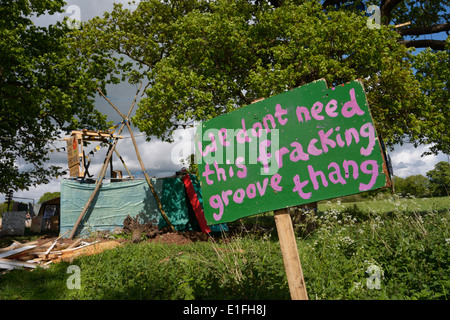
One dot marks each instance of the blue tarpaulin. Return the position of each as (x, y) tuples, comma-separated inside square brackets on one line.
[(116, 200)]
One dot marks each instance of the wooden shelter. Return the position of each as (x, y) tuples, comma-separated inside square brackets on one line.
[(77, 164), (76, 157)]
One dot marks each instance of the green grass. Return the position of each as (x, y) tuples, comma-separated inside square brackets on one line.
[(407, 240), (389, 203), (157, 271)]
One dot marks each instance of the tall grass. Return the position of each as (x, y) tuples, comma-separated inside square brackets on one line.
[(373, 252), (409, 247)]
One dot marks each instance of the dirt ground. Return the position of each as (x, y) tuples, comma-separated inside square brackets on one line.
[(180, 237), (164, 236)]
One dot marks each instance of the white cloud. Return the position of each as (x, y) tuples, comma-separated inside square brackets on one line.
[(407, 160)]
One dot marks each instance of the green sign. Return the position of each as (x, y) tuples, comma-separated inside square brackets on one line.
[(301, 146)]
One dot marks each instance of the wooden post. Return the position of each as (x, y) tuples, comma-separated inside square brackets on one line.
[(111, 169), (98, 184), (147, 178), (123, 162), (291, 258)]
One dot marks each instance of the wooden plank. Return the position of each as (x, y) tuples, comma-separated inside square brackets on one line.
[(54, 243), (95, 136), (91, 249), (6, 266), (65, 251), (16, 264), (16, 251), (50, 256), (74, 244), (72, 151), (72, 156), (402, 24), (50, 249), (291, 258), (12, 246), (17, 245), (86, 132), (74, 171)]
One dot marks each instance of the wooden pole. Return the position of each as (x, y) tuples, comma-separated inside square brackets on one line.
[(402, 24), (98, 183), (111, 169), (291, 258), (147, 178), (123, 162)]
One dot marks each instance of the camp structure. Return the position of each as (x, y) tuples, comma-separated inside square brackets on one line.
[(78, 161), (117, 200), (94, 204)]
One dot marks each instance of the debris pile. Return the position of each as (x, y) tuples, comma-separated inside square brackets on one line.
[(43, 252), (152, 233), (136, 229)]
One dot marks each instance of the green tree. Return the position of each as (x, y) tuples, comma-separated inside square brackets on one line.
[(433, 74), (46, 88), (399, 185), (205, 58), (4, 206), (425, 18), (417, 185), (440, 179), (48, 196)]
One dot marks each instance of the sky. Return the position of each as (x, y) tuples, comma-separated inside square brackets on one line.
[(162, 159)]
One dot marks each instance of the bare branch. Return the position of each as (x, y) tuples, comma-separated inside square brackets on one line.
[(417, 31), (433, 44)]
